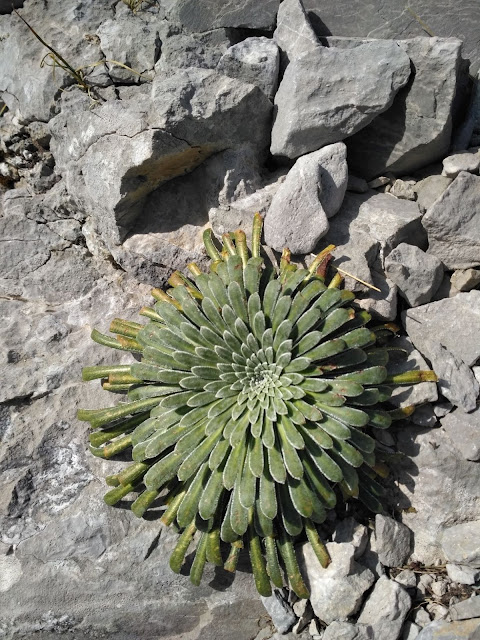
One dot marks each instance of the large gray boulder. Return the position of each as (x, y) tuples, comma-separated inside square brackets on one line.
[(386, 609), (327, 94), (451, 348), (124, 149), (417, 128), (453, 223), (210, 14), (312, 192), (392, 19)]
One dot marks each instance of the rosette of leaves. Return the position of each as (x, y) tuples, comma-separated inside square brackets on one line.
[(252, 410)]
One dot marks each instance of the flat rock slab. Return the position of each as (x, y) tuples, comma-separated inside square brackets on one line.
[(327, 94), (210, 14), (453, 223), (464, 431), (392, 19), (446, 333), (312, 192), (461, 543), (416, 130), (442, 630)]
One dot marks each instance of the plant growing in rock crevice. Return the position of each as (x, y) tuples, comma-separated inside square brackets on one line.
[(252, 409)]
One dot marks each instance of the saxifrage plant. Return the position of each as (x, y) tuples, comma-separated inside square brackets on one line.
[(252, 409)]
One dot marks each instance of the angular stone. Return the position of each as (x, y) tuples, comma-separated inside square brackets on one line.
[(383, 219), (465, 279), (466, 609), (440, 485), (133, 40), (464, 431), (382, 304), (239, 213), (450, 352), (453, 223), (407, 579), (430, 189), (336, 592), (461, 543), (463, 161), (294, 33), (348, 631), (280, 611), (403, 189), (34, 97), (196, 17), (416, 130), (462, 574), (312, 192), (410, 631), (351, 531), (394, 541), (442, 630), (415, 394), (416, 273), (328, 94), (124, 151), (255, 61), (386, 609), (181, 50)]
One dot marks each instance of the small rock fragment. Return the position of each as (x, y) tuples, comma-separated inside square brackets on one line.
[(430, 189), (393, 541), (348, 631), (465, 279), (403, 189), (462, 573), (462, 161), (407, 579), (416, 273), (280, 611)]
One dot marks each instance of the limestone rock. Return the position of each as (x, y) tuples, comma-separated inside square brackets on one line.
[(181, 50), (450, 352), (461, 543), (463, 161), (351, 531), (211, 14), (410, 631), (403, 189), (312, 192), (433, 467), (336, 592), (382, 304), (239, 213), (462, 574), (386, 609), (294, 33), (133, 40), (466, 609), (465, 279), (463, 429), (125, 149), (254, 61), (280, 611), (452, 223), (328, 94), (416, 273), (407, 579), (416, 394), (416, 130), (441, 630), (348, 631), (430, 189), (393, 541), (33, 94)]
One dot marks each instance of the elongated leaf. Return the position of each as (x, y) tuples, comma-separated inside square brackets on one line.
[(287, 552), (291, 519), (210, 497), (189, 505), (197, 456), (273, 565)]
